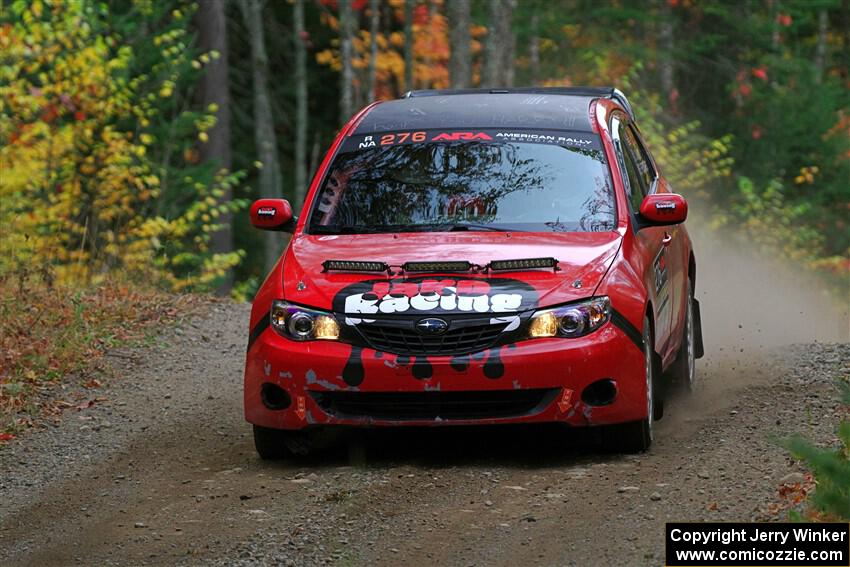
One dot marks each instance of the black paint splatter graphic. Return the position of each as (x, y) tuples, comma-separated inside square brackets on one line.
[(353, 372), (460, 363), (494, 367), (422, 369)]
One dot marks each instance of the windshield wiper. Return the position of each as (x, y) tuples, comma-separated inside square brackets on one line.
[(391, 228), (346, 229), (473, 227)]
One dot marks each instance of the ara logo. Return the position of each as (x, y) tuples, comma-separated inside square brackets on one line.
[(457, 136)]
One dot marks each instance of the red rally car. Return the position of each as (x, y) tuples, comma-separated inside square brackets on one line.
[(476, 257)]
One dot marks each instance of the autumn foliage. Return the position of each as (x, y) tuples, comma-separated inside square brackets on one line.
[(82, 187)]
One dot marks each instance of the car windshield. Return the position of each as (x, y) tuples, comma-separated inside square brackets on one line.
[(468, 185)]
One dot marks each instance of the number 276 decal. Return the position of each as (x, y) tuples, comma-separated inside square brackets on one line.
[(402, 137)]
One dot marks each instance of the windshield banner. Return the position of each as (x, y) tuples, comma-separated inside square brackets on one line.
[(578, 140)]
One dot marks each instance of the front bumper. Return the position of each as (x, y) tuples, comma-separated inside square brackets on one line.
[(559, 370)]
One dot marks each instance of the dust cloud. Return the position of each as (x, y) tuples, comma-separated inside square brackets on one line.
[(752, 307), (749, 301)]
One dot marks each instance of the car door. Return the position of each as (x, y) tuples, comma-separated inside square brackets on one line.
[(640, 178), (677, 261)]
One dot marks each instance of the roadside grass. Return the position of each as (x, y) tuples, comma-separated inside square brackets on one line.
[(824, 493), (51, 333)]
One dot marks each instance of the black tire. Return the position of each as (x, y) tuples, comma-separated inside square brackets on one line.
[(274, 444), (682, 373), (636, 436)]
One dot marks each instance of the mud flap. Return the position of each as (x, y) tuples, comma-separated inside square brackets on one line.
[(699, 350), (658, 387)]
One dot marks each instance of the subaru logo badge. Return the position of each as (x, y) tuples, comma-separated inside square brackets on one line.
[(432, 326)]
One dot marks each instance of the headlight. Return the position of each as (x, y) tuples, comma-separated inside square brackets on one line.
[(574, 320), (303, 324)]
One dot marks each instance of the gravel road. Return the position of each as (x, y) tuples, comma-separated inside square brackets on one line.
[(161, 470)]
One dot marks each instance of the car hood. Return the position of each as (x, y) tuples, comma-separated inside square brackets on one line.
[(583, 260)]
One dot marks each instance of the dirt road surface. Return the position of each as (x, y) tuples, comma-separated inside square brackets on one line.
[(161, 469)]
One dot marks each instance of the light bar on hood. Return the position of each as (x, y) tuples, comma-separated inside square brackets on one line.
[(526, 264), (354, 266), (437, 266)]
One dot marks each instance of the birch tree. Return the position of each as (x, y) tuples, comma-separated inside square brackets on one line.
[(212, 37), (534, 49), (460, 68), (408, 45), (346, 31), (820, 54), (374, 22), (501, 45), (300, 103), (665, 61), (271, 182)]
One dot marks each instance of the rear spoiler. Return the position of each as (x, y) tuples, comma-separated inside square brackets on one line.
[(600, 92)]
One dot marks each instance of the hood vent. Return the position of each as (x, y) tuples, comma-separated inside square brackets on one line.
[(354, 266), (438, 266)]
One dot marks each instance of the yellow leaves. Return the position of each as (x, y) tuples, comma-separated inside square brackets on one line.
[(807, 175), (397, 39), (203, 137), (329, 58), (77, 185)]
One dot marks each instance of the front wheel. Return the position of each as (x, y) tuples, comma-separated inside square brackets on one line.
[(636, 436)]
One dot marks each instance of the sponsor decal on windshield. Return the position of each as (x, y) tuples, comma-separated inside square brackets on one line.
[(580, 140)]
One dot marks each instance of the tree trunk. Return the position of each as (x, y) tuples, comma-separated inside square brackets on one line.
[(459, 63), (501, 45), (374, 21), (300, 105), (346, 31), (820, 55), (264, 135), (665, 61), (408, 45), (534, 49), (509, 48), (493, 47), (212, 36)]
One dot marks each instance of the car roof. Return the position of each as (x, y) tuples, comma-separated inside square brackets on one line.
[(554, 108)]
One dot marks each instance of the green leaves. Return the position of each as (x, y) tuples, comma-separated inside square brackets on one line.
[(831, 467)]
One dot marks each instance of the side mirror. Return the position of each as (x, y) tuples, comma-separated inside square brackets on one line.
[(662, 209), (272, 214)]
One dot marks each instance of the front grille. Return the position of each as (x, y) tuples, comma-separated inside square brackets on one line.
[(401, 406), (406, 340)]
